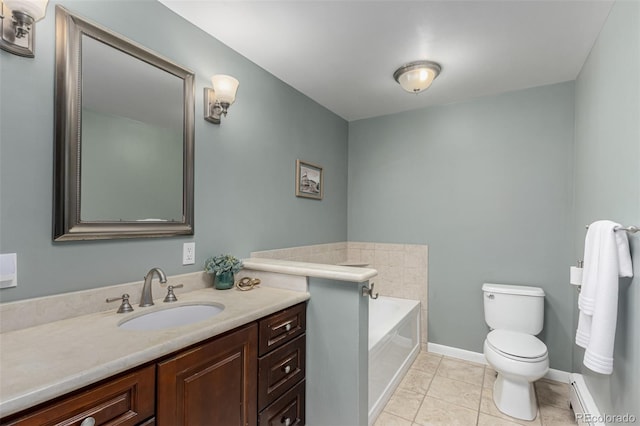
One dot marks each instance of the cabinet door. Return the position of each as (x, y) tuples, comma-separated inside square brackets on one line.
[(213, 384)]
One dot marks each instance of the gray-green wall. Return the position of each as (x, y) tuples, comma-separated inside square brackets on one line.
[(607, 186), (244, 168), (487, 185)]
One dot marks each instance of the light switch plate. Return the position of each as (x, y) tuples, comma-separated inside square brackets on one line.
[(189, 253)]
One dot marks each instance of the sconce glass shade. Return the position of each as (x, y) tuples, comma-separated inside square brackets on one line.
[(416, 77), (17, 29), (36, 9), (225, 87)]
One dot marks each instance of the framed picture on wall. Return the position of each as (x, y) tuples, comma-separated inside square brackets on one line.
[(309, 180)]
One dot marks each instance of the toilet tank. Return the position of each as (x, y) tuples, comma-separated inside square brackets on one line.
[(513, 307)]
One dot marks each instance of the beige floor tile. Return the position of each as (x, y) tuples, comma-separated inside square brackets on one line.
[(487, 420), (387, 419), (489, 377), (404, 403), (461, 393), (456, 392), (554, 393), (462, 371), (487, 406), (416, 381), (427, 362), (555, 416), (437, 412)]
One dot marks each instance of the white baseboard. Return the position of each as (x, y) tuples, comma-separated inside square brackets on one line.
[(558, 376), (456, 353), (477, 357), (584, 407)]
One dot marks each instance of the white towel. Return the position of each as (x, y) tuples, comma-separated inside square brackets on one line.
[(606, 258)]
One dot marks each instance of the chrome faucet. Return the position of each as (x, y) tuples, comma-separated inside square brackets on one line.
[(147, 299)]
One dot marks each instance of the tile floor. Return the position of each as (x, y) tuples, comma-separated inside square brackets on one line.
[(440, 390)]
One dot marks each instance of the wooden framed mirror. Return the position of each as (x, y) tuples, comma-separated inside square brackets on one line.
[(124, 137)]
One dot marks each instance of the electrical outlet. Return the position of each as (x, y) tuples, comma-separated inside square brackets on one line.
[(188, 253), (8, 270)]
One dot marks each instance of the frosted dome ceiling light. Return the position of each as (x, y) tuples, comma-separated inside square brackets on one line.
[(417, 76)]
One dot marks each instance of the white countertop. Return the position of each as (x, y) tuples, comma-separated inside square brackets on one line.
[(49, 360), (316, 270)]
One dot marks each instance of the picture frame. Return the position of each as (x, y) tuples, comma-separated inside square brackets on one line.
[(309, 180)]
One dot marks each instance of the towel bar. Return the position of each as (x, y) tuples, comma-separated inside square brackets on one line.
[(632, 229)]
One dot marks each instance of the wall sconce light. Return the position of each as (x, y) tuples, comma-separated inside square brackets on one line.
[(417, 76), (17, 25), (220, 98)]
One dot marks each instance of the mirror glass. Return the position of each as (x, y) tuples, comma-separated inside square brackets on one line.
[(124, 137), (132, 161)]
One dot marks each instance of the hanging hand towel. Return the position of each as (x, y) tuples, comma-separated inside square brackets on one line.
[(606, 258)]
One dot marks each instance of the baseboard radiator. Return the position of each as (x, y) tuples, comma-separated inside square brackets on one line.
[(584, 407)]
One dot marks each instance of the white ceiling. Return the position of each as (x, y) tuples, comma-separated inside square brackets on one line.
[(342, 54)]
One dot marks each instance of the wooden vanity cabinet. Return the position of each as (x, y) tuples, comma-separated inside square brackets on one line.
[(213, 383), (126, 400), (251, 375), (281, 384)]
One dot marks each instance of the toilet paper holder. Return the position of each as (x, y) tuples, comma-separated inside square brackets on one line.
[(575, 275)]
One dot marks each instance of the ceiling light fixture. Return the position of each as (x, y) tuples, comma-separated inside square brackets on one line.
[(417, 76), (220, 98), (17, 25)]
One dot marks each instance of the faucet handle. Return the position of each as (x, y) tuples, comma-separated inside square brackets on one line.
[(171, 297), (125, 306)]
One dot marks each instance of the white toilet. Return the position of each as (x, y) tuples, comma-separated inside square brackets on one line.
[(515, 315)]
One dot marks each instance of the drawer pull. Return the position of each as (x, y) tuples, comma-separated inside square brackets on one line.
[(286, 369), (286, 421), (287, 326), (89, 421)]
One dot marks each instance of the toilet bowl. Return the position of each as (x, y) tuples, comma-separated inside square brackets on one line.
[(518, 365), (515, 315)]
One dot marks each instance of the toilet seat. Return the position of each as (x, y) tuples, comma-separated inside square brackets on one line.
[(517, 346)]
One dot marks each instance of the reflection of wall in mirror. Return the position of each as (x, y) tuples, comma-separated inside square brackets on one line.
[(130, 170)]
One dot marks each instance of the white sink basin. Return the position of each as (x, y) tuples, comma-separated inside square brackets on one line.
[(172, 317)]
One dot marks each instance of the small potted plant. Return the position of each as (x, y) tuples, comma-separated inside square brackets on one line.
[(223, 268)]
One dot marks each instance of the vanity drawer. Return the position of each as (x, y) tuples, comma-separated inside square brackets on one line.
[(279, 370), (288, 410), (126, 400), (281, 327)]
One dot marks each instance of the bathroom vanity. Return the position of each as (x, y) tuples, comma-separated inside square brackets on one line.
[(221, 370), (276, 343)]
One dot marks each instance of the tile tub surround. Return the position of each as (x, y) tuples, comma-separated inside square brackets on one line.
[(402, 268), (447, 391), (402, 272), (49, 360), (330, 254)]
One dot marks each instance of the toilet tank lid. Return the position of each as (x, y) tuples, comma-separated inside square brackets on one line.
[(520, 290)]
